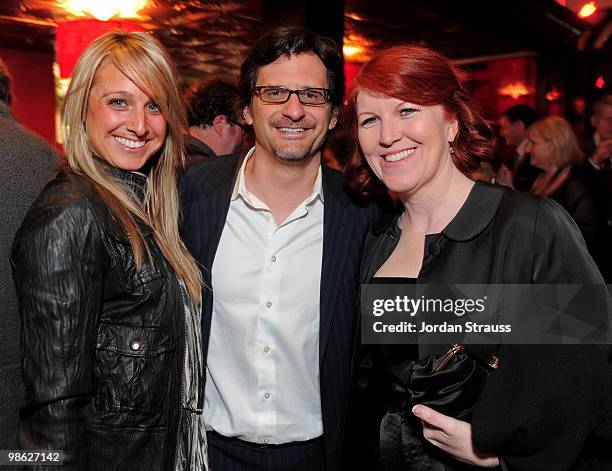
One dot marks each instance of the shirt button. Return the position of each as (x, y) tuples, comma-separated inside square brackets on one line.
[(135, 345), (268, 304), (266, 349), (273, 258), (266, 440), (267, 396)]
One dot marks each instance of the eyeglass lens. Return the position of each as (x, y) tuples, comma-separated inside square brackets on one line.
[(307, 96)]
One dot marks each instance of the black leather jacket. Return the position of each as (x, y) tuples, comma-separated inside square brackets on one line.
[(102, 342)]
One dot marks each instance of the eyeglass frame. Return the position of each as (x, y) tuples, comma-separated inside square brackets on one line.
[(327, 93), (243, 126)]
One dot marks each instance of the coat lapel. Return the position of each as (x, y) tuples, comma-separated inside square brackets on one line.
[(213, 196), (335, 251)]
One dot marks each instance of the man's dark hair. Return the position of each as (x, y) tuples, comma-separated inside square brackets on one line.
[(287, 41), (524, 113), (210, 98), (601, 103), (5, 84)]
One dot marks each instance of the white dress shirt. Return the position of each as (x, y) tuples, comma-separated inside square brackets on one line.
[(262, 374)]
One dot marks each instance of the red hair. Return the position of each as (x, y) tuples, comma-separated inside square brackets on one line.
[(422, 76)]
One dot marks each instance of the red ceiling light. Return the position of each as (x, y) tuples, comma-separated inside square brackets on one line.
[(73, 37), (600, 82), (587, 10)]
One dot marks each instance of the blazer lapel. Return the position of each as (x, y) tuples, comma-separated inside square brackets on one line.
[(335, 250), (213, 205)]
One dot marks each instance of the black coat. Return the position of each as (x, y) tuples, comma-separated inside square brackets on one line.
[(538, 411), (102, 342), (27, 163), (205, 193), (587, 205), (599, 183)]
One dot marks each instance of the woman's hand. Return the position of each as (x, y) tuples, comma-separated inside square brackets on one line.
[(453, 436)]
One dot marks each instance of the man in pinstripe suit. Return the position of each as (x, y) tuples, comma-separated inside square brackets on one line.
[(279, 239)]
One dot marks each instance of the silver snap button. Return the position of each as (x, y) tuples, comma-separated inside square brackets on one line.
[(267, 396), (268, 304), (135, 345), (266, 349), (273, 258), (266, 440)]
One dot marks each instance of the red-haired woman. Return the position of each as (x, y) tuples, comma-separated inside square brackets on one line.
[(419, 134)]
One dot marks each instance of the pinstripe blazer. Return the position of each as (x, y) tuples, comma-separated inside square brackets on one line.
[(206, 189)]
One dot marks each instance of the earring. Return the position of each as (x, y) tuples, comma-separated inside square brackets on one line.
[(451, 149)]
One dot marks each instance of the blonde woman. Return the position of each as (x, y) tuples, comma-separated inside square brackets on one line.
[(554, 149), (109, 296)]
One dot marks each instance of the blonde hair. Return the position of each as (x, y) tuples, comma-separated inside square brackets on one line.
[(141, 58), (558, 132)]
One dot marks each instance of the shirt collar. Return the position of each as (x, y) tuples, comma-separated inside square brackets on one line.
[(240, 188)]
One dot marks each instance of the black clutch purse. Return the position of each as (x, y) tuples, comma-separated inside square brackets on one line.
[(450, 383)]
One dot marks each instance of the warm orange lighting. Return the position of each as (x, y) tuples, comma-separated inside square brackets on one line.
[(351, 51), (354, 16), (514, 89), (600, 82), (587, 10), (553, 95), (104, 10), (357, 49)]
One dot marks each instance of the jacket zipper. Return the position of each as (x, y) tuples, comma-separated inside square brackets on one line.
[(180, 418)]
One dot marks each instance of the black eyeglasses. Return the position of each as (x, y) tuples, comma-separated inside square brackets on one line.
[(307, 96), (244, 127)]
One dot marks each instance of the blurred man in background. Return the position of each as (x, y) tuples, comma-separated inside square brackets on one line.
[(598, 149), (216, 126), (513, 124), (26, 164)]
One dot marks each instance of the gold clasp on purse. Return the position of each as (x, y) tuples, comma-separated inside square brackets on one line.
[(444, 359), (441, 362)]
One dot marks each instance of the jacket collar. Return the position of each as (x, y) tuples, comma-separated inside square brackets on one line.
[(134, 183), (474, 216), (194, 145)]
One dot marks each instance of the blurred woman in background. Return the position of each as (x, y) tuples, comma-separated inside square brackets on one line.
[(554, 149)]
